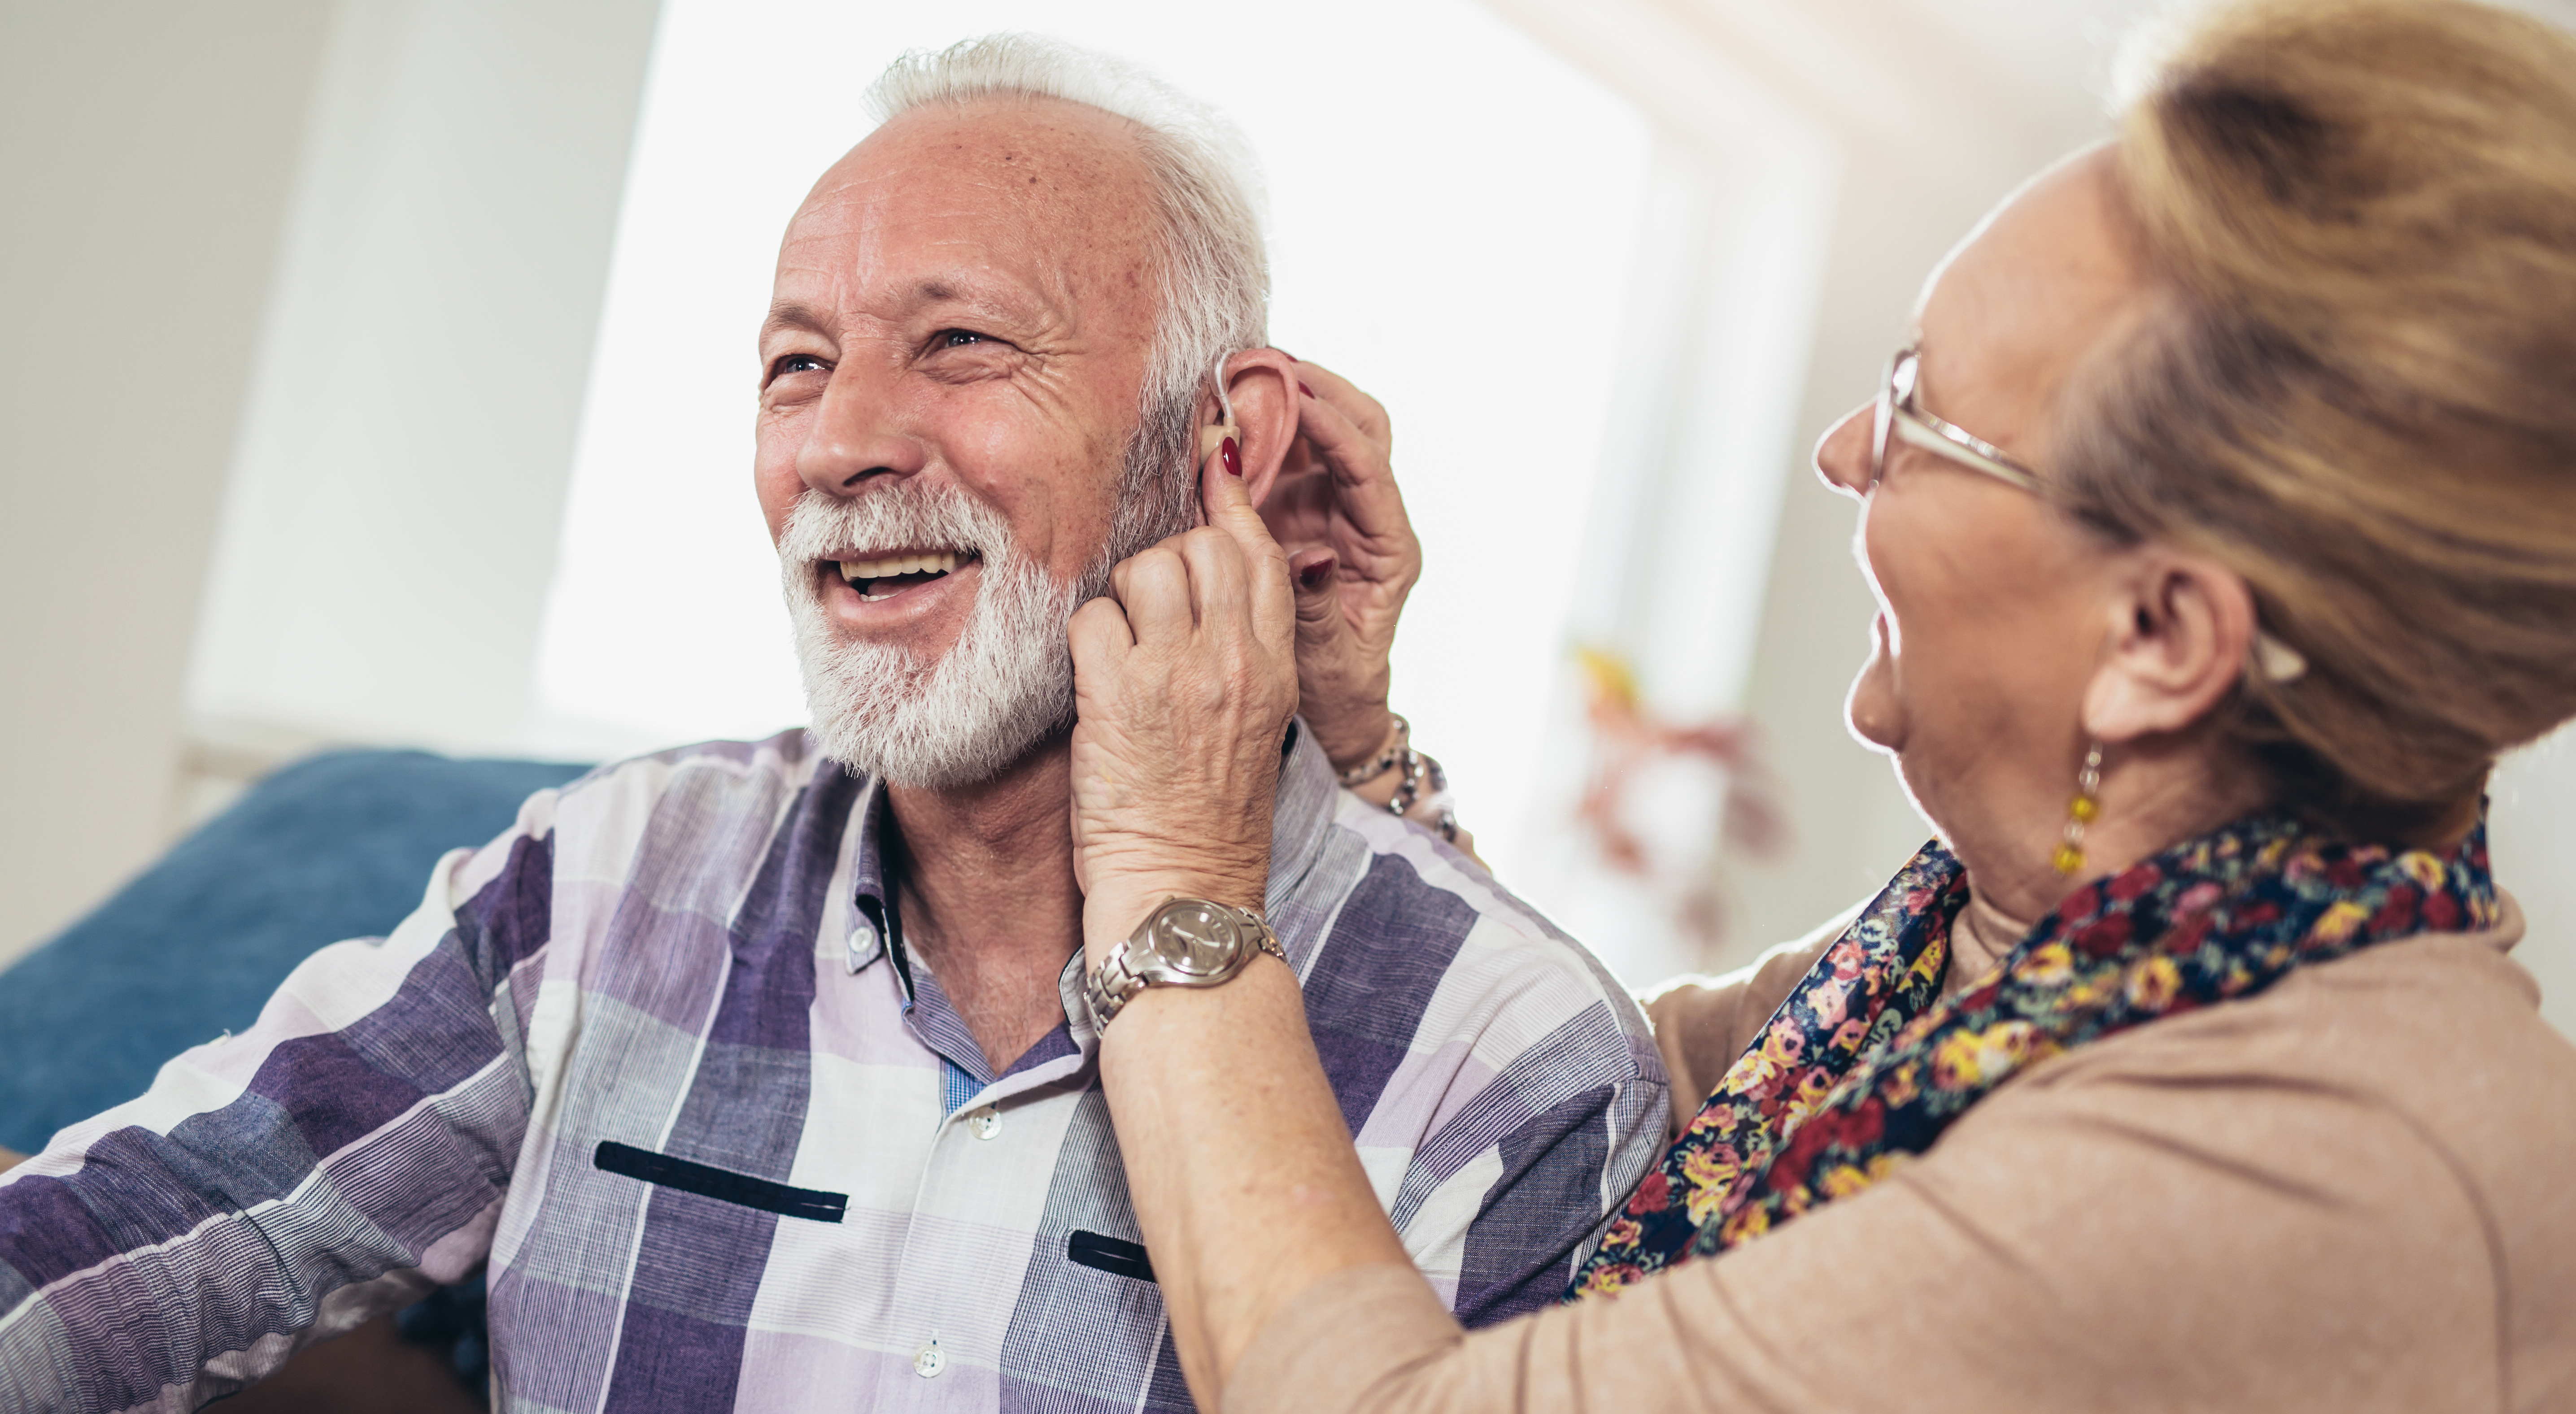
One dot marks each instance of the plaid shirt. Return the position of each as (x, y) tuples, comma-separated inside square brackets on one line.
[(649, 1060)]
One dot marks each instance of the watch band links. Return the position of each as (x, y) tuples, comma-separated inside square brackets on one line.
[(1114, 983)]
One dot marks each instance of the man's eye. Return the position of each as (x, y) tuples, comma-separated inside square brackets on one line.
[(957, 338), (796, 363)]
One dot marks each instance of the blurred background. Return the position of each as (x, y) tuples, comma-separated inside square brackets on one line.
[(380, 372)]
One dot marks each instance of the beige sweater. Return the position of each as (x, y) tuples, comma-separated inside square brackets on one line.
[(2356, 1191)]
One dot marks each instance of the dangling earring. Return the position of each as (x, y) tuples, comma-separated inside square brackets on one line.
[(2080, 812)]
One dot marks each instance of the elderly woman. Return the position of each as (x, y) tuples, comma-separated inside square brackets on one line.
[(2221, 514)]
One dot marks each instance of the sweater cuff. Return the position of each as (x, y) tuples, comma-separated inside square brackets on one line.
[(1338, 1341)]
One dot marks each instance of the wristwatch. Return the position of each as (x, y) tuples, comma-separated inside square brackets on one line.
[(1187, 942)]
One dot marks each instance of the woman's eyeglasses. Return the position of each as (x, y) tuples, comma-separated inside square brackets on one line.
[(1898, 416)]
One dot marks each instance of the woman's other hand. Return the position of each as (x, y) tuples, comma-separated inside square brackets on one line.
[(1246, 1187), (1353, 558), (1184, 680)]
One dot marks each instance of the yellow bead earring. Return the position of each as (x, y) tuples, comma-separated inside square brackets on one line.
[(2069, 856)]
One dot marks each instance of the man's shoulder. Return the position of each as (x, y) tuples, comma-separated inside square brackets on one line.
[(790, 757), (1419, 937), (690, 796), (714, 774)]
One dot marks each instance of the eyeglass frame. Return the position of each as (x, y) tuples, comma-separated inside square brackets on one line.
[(1896, 413)]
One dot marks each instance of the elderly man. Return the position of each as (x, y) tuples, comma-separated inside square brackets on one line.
[(757, 1082)]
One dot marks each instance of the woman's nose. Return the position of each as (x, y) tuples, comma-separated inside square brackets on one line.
[(1842, 454)]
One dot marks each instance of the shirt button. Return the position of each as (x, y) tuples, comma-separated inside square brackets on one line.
[(863, 941), (986, 1122), (928, 1361)]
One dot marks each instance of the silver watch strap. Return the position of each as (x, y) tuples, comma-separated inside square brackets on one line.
[(1114, 983)]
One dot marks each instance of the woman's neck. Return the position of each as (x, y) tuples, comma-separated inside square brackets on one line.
[(1980, 937), (2153, 797)]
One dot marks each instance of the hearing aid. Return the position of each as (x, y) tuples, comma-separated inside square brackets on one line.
[(1210, 438)]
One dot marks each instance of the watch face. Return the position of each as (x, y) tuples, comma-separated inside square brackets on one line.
[(1196, 938)]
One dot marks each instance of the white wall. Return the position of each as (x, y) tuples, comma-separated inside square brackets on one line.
[(1841, 149), (390, 525), (1718, 315), (2531, 823), (145, 152)]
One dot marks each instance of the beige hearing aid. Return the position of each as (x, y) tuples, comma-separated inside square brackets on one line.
[(1210, 438)]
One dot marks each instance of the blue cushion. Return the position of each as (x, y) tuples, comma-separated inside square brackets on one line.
[(337, 846)]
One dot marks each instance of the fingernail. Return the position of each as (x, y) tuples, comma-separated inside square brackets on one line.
[(1232, 459), (1309, 392), (1314, 576)]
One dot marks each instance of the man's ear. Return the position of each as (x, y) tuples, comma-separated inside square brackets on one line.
[(1262, 383), (2181, 628)]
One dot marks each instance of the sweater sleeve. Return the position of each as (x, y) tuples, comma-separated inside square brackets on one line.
[(1703, 1023), (346, 1154), (2148, 1224)]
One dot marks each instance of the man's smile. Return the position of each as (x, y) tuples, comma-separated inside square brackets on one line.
[(883, 577), (900, 589)]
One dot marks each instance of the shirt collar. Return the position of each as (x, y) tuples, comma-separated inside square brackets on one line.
[(1301, 819), (867, 918), (861, 918)]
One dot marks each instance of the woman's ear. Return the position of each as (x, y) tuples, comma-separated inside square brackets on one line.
[(1262, 383), (2180, 629)]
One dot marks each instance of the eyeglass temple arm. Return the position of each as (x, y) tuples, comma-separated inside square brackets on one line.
[(2274, 659), (1949, 440)]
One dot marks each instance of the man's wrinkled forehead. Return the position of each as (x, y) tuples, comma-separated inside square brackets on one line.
[(1047, 198)]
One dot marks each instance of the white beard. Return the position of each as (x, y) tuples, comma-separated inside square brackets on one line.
[(880, 710), (1008, 683)]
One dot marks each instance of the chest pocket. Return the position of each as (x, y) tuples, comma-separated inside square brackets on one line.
[(723, 1185)]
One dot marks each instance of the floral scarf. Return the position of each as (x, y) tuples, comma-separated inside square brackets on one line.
[(1865, 1064)]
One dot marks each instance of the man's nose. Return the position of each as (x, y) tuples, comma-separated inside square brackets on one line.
[(1842, 454), (856, 434)]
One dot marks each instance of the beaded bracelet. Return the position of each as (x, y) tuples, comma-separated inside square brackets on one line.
[(1444, 819), (1397, 745), (1423, 779), (1408, 790), (1425, 784)]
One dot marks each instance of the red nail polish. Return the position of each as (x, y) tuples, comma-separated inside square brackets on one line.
[(1313, 576), (1309, 392), (1232, 459)]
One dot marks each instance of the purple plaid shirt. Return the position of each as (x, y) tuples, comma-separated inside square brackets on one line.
[(650, 1061)]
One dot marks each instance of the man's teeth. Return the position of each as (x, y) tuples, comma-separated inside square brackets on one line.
[(945, 562)]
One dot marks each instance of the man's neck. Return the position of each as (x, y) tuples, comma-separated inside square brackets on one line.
[(988, 898)]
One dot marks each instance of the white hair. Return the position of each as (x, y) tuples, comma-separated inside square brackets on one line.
[(1215, 267)]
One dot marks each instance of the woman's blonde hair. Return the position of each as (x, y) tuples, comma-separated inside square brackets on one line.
[(2361, 393)]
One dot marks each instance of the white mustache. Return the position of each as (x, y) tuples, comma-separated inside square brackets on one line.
[(906, 513)]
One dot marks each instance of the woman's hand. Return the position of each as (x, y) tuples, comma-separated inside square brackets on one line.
[(1184, 680), (1353, 557), (1246, 1187)]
